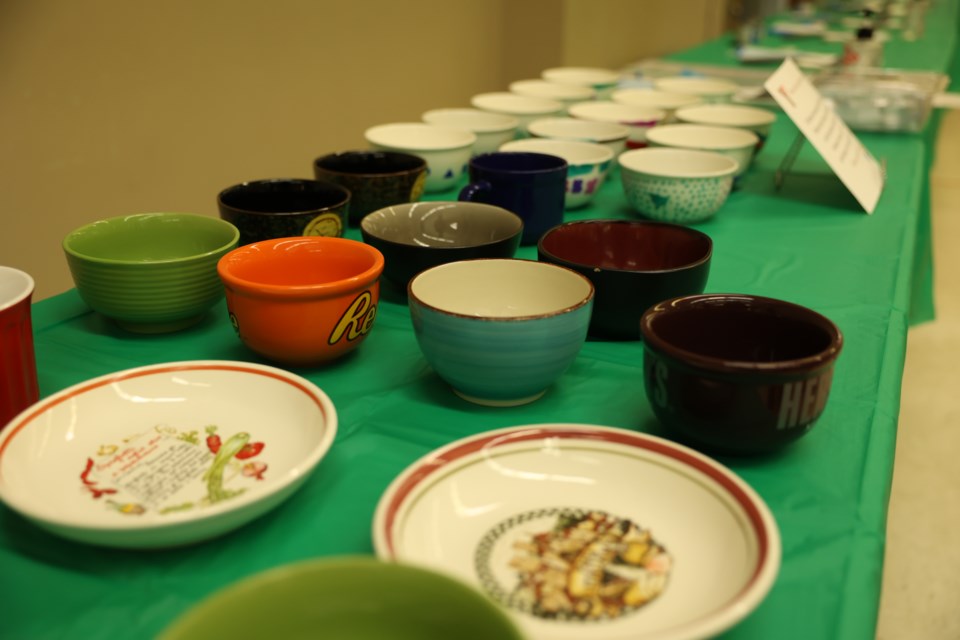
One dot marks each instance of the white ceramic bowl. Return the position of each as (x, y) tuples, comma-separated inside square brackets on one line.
[(587, 165), (610, 134), (524, 108), (530, 511), (752, 119), (567, 94), (500, 332), (164, 455), (637, 119), (601, 80), (447, 150), (739, 144), (708, 89), (666, 100), (491, 129), (676, 185)]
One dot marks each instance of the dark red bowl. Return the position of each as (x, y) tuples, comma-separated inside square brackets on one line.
[(738, 374), (632, 265)]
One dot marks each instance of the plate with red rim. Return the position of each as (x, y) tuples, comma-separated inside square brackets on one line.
[(586, 530), (164, 455)]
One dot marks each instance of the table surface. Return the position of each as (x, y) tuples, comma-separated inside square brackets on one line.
[(807, 243)]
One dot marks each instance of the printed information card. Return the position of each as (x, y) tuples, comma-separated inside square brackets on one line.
[(828, 133)]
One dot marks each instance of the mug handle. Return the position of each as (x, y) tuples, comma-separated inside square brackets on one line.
[(474, 191)]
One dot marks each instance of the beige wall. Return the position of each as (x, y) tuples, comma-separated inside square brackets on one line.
[(113, 107)]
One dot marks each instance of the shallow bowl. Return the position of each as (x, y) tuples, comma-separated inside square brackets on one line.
[(565, 93), (415, 237), (164, 455), (638, 120), (491, 129), (447, 150), (601, 80), (669, 101), (752, 119), (676, 185), (738, 144), (707, 89), (150, 272), (500, 332), (735, 373), (542, 516), (588, 163), (632, 264), (302, 301), (524, 108), (610, 134)]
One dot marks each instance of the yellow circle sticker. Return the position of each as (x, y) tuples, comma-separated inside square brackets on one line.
[(325, 224)]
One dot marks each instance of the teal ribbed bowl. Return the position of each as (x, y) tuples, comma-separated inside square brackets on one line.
[(150, 272), (500, 332)]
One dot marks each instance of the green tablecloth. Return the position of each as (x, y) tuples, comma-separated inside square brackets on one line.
[(806, 243)]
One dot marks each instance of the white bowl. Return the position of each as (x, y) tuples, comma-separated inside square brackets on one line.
[(708, 89), (523, 108), (601, 80), (676, 185), (491, 129), (165, 454), (527, 511), (610, 134), (637, 119), (446, 150), (739, 144), (666, 100), (567, 94), (752, 119), (587, 165)]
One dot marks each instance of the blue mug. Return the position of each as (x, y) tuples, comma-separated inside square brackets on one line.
[(532, 185)]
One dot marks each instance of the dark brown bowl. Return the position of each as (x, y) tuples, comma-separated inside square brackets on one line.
[(417, 236), (632, 265), (735, 373)]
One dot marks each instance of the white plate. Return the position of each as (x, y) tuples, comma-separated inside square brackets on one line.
[(166, 454), (498, 509)]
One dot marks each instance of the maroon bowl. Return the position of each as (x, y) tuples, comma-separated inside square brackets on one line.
[(737, 374), (632, 264)]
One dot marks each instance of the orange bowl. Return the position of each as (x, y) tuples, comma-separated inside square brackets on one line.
[(304, 300)]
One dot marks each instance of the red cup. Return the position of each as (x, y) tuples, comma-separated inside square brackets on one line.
[(18, 365)]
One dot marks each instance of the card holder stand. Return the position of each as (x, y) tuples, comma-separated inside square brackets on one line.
[(790, 157)]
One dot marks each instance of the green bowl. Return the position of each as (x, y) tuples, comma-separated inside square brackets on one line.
[(347, 598), (150, 272)]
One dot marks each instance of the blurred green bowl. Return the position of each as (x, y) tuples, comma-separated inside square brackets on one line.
[(347, 598), (150, 272)]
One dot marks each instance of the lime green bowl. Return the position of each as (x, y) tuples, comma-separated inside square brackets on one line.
[(347, 598), (150, 272)]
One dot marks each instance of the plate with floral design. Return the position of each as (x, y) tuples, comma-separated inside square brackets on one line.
[(586, 531), (166, 454)]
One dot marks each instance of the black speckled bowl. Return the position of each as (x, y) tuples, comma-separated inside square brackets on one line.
[(418, 236), (375, 179), (283, 208)]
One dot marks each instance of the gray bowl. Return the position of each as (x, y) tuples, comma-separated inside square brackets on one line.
[(417, 236)]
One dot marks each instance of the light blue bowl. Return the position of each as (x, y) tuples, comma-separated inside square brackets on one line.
[(500, 332)]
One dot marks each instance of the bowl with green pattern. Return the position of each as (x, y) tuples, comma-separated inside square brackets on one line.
[(682, 186), (150, 272)]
